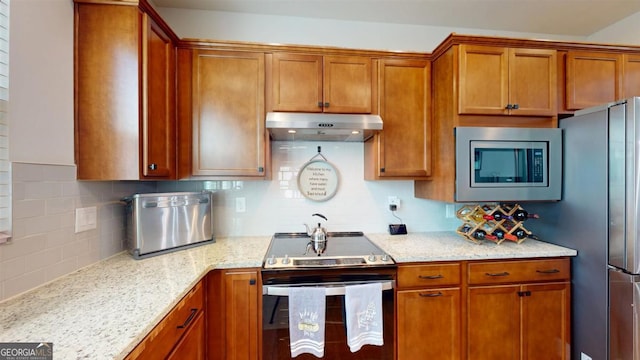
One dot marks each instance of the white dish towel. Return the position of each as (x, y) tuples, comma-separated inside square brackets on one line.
[(363, 305), (306, 320)]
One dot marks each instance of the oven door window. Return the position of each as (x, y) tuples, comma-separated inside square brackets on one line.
[(275, 330), (508, 163)]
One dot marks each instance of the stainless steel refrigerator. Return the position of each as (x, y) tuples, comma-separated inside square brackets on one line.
[(598, 216)]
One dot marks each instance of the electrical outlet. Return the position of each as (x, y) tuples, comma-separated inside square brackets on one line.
[(86, 219), (394, 201)]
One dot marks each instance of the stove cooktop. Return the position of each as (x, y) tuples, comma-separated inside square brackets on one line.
[(344, 249)]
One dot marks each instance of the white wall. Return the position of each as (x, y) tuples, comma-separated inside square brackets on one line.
[(41, 82), (625, 31), (323, 32)]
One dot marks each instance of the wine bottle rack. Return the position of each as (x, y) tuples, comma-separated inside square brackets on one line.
[(496, 221)]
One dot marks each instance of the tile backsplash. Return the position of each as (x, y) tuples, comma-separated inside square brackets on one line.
[(45, 245)]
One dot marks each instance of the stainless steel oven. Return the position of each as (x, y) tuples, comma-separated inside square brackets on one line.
[(334, 269)]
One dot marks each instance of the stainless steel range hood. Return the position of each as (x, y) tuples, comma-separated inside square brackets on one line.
[(322, 127)]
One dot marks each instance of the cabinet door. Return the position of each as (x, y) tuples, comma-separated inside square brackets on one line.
[(107, 89), (241, 318), (191, 345), (533, 82), (428, 324), (348, 84), (296, 82), (546, 321), (631, 80), (483, 81), (403, 148), (592, 79), (228, 114), (493, 323), (158, 111)]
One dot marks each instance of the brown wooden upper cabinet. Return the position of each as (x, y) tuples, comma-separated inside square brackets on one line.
[(592, 78), (402, 150), (316, 83), (631, 80), (507, 81), (124, 94), (158, 113), (221, 106)]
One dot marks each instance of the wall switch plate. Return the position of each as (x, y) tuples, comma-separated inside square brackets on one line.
[(241, 204), (450, 211), (397, 229), (86, 218)]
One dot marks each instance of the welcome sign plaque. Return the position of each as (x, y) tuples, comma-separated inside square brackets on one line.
[(318, 180)]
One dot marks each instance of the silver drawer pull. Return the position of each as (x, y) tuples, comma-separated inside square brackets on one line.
[(188, 321), (504, 273), (430, 277), (431, 294), (550, 271)]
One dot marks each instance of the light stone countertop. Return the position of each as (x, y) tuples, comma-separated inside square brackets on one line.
[(105, 309), (443, 246)]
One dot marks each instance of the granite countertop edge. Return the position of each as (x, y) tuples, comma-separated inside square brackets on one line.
[(82, 312)]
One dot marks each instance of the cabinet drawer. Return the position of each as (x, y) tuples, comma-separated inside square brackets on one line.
[(428, 275), (496, 272), (161, 340)]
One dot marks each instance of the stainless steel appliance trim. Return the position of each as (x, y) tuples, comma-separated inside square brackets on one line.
[(307, 262), (331, 288), (619, 184), (322, 126), (464, 191)]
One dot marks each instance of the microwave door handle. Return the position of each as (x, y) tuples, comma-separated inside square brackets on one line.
[(332, 289)]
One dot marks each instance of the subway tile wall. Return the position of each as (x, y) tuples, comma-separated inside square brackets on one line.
[(45, 245)]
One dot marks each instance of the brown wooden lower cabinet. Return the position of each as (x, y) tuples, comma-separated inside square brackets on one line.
[(512, 309), (429, 324), (232, 314), (191, 346), (528, 319), (428, 311), (180, 335)]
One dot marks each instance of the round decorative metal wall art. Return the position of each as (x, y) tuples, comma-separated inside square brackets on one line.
[(318, 180)]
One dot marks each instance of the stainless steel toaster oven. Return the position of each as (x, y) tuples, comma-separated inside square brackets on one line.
[(157, 223)]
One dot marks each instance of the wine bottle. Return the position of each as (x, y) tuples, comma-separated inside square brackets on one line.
[(481, 235), (522, 215), (520, 234), (497, 216)]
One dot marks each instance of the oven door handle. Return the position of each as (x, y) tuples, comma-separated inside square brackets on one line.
[(331, 288)]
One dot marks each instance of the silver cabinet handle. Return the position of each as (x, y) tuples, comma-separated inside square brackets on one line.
[(504, 273), (438, 294), (549, 271), (431, 277)]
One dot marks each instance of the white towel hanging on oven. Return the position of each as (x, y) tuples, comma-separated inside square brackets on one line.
[(363, 305), (306, 320)]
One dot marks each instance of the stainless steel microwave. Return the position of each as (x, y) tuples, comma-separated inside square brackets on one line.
[(508, 164)]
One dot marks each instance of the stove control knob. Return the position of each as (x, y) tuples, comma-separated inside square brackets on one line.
[(286, 259), (271, 260), (385, 257), (372, 258)]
